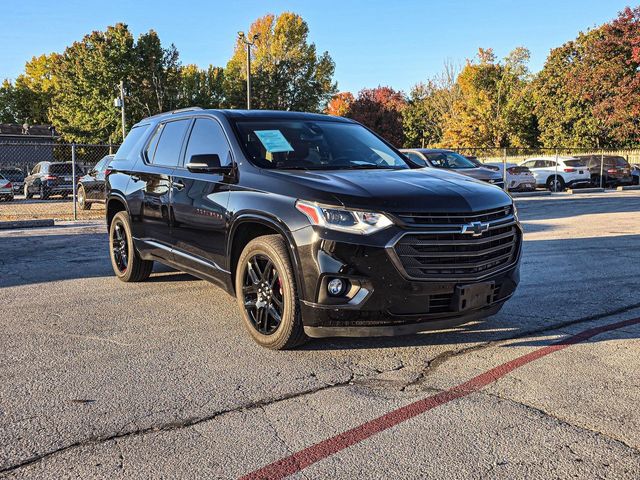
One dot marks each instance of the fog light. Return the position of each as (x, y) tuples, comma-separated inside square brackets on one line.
[(335, 287)]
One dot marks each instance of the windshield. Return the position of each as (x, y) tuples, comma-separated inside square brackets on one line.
[(315, 145), (449, 160)]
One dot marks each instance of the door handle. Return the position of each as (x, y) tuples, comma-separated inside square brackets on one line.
[(178, 185), (135, 178)]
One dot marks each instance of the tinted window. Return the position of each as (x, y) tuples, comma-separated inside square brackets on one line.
[(415, 157), (575, 163), (449, 160), (207, 137), (170, 143), (132, 140), (61, 168), (12, 174), (150, 151)]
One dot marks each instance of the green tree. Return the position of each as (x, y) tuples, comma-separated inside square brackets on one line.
[(202, 88), (86, 83), (287, 73), (491, 95)]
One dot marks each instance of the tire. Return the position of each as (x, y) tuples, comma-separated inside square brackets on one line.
[(560, 186), (288, 332), (27, 195), (126, 263), (43, 193), (82, 199), (635, 180)]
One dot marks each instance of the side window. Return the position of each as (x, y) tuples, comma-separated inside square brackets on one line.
[(207, 137), (150, 151), (170, 143), (416, 158), (539, 164)]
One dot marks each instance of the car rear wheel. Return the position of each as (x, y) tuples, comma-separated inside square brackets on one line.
[(82, 199), (125, 260), (27, 195), (266, 293), (44, 194), (555, 184)]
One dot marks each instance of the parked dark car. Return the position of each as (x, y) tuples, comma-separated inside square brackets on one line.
[(318, 226), (6, 189), (616, 170), (49, 178), (15, 176), (90, 187), (450, 160)]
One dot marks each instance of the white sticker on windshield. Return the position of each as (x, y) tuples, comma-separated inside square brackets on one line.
[(274, 141)]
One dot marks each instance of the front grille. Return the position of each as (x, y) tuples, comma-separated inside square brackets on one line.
[(419, 219), (442, 251)]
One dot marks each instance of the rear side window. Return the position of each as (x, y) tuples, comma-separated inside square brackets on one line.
[(133, 139), (207, 137), (170, 143)]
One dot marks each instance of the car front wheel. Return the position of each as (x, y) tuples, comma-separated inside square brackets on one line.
[(266, 293), (125, 260)]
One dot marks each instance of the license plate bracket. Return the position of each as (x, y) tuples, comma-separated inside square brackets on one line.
[(476, 295)]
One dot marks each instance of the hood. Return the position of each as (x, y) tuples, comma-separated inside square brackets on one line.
[(410, 190)]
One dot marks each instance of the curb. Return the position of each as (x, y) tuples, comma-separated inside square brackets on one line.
[(47, 222), (585, 190), (628, 187), (544, 193)]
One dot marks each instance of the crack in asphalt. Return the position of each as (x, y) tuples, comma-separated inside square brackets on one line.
[(431, 365), (443, 357), (562, 421)]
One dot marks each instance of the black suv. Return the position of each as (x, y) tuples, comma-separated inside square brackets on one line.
[(50, 178), (318, 226), (616, 170)]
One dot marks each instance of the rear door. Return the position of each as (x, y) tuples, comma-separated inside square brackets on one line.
[(162, 155), (199, 202)]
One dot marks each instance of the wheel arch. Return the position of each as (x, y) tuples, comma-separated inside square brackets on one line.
[(115, 203), (248, 226)]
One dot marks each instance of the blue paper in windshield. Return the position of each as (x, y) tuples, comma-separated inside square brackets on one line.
[(274, 141)]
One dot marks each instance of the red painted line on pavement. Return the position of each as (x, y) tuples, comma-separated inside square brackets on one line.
[(310, 455)]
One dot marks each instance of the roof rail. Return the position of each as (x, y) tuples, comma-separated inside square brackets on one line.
[(188, 109)]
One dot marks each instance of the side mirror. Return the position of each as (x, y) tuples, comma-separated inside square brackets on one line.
[(206, 163)]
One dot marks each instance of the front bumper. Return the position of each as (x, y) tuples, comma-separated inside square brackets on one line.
[(385, 300)]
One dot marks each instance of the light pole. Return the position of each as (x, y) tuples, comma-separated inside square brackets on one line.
[(119, 103), (249, 44)]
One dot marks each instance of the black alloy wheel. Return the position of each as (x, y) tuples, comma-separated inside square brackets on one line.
[(120, 247), (263, 295)]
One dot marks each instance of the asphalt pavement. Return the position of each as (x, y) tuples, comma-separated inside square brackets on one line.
[(159, 380)]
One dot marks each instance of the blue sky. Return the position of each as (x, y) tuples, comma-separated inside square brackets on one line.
[(396, 43)]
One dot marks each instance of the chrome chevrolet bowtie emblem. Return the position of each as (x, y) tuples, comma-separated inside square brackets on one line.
[(475, 228)]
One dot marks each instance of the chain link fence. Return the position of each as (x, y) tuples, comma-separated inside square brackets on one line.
[(70, 187), (605, 168), (49, 180)]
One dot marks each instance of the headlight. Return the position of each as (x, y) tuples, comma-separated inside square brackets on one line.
[(335, 218)]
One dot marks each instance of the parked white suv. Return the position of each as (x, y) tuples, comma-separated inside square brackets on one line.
[(570, 172)]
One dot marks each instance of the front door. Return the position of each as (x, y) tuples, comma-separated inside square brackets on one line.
[(162, 156), (199, 203)]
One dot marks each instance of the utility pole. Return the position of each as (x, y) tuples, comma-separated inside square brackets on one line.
[(249, 44), (119, 103)]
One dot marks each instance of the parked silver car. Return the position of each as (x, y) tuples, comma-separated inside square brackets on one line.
[(519, 178), (450, 160)]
